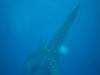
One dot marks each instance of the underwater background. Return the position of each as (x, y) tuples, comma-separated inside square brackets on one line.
[(23, 22)]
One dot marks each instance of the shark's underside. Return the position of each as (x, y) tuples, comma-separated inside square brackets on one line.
[(45, 62)]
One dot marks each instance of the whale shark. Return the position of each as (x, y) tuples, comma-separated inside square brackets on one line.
[(46, 60)]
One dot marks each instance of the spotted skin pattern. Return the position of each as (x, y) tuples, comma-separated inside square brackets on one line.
[(50, 54)]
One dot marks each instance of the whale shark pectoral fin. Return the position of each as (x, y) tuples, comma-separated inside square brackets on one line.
[(32, 63), (31, 70)]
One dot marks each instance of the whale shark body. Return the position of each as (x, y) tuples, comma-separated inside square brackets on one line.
[(45, 62)]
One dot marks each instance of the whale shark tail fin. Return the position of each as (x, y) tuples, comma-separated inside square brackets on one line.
[(61, 33)]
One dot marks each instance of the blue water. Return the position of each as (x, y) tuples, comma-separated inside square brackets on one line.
[(23, 22)]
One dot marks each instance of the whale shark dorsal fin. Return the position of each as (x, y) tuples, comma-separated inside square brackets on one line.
[(38, 52), (60, 35), (40, 45)]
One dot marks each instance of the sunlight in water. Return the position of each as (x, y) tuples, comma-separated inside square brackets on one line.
[(63, 50)]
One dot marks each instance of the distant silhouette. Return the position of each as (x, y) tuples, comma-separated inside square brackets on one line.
[(48, 56)]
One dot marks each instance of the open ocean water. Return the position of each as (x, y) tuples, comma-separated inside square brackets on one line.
[(24, 22)]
